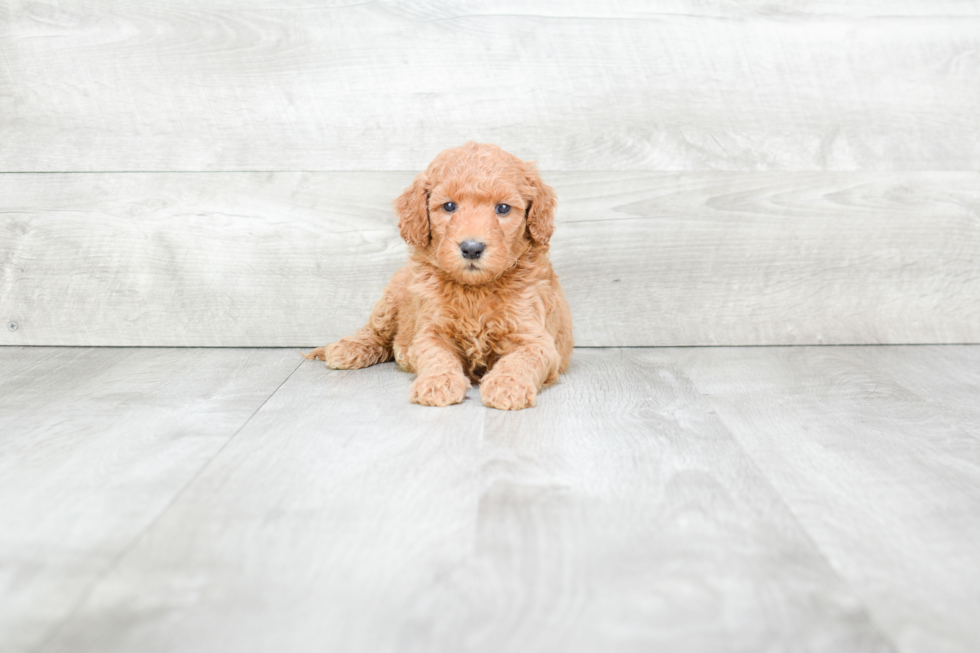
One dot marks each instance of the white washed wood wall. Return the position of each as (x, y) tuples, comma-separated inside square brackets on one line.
[(220, 172)]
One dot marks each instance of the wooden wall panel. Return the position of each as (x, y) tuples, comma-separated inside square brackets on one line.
[(800, 171), (632, 85), (298, 259)]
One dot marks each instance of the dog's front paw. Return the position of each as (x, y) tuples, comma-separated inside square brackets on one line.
[(439, 389), (352, 355), (507, 392)]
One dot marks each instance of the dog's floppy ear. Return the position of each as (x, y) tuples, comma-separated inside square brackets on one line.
[(412, 207), (541, 207)]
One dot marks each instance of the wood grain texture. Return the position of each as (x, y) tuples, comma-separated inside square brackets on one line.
[(94, 445), (298, 259), (948, 378), (624, 517), (887, 483), (617, 515), (260, 85)]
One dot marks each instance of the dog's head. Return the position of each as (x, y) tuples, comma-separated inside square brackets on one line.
[(475, 210)]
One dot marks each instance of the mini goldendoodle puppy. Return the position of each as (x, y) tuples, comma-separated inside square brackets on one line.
[(478, 299)]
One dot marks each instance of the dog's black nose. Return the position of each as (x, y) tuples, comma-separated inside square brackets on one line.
[(471, 249)]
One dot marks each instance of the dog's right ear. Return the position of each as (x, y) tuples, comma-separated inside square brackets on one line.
[(412, 207)]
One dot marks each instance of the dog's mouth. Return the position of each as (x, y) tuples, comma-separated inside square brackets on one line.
[(472, 267)]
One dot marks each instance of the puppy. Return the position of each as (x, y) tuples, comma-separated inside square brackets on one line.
[(478, 300)]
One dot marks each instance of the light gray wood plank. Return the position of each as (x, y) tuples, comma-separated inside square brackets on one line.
[(94, 445), (947, 377), (623, 517), (790, 85), (771, 258), (886, 485), (617, 515), (336, 502), (298, 259), (257, 259)]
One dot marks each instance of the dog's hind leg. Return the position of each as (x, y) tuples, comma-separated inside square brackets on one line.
[(372, 343)]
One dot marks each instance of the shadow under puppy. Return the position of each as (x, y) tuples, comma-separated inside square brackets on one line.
[(478, 300)]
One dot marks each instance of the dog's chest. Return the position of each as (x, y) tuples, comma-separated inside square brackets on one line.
[(477, 334), (478, 330)]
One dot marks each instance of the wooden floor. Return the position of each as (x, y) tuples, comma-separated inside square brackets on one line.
[(694, 499)]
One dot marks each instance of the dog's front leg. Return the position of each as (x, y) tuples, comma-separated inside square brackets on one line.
[(441, 380), (514, 381)]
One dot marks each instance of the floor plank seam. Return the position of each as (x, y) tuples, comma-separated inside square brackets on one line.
[(878, 628), (150, 526)]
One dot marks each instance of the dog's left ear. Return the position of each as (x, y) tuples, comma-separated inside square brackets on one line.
[(412, 207), (541, 207)]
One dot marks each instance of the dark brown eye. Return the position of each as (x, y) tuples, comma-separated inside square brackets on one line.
[(503, 209), (449, 207)]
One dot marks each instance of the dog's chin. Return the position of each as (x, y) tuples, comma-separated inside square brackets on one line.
[(472, 274)]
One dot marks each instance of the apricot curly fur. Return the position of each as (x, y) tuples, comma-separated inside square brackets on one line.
[(501, 319)]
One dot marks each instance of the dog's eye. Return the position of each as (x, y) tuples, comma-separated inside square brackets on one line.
[(503, 209), (449, 207)]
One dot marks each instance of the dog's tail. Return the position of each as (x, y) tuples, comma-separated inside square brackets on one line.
[(320, 354)]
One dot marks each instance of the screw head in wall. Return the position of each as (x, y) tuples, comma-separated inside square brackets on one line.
[(12, 326)]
